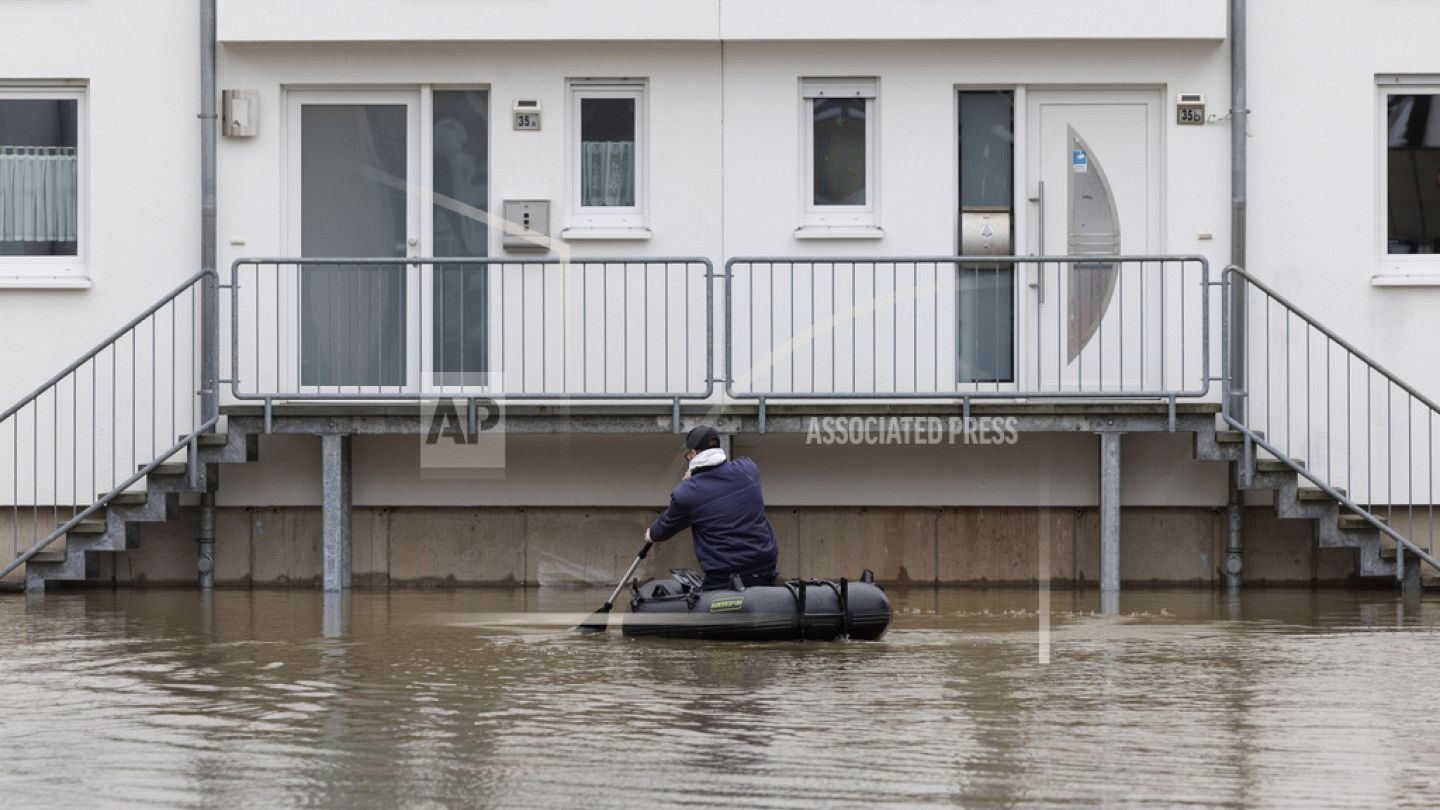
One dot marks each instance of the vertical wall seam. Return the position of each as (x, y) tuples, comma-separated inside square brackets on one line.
[(935, 578)]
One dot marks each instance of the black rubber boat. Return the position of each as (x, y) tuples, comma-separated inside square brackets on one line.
[(799, 610)]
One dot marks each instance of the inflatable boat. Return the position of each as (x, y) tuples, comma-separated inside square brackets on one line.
[(799, 610)]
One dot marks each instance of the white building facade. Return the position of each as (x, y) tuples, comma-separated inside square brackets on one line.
[(702, 131)]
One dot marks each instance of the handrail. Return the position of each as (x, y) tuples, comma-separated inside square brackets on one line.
[(106, 343), (1325, 330), (1305, 389)]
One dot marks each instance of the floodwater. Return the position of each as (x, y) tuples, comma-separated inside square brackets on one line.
[(480, 698)]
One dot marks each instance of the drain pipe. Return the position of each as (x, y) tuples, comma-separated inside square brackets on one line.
[(210, 293), (1239, 116)]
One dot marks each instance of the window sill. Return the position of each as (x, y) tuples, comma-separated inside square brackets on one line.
[(839, 232), (44, 282), (1417, 279), (613, 234)]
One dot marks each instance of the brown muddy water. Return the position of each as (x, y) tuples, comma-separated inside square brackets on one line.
[(479, 698)]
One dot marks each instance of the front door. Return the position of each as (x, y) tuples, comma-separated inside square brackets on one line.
[(355, 161), (1093, 160)]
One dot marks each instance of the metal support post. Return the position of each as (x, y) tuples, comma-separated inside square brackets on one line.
[(206, 539), (335, 509), (1110, 511), (1234, 531)]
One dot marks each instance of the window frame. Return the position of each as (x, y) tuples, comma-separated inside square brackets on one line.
[(606, 221), (57, 272), (1397, 269), (839, 221)]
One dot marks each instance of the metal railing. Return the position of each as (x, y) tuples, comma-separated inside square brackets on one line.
[(103, 423), (954, 327), (517, 329), (1336, 417)]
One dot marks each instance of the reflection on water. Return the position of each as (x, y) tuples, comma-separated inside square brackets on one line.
[(433, 698)]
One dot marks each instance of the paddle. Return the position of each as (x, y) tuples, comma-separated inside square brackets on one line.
[(600, 619)]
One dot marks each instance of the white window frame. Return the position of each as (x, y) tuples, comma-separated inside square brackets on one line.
[(605, 221), (839, 221), (1397, 269), (57, 272)]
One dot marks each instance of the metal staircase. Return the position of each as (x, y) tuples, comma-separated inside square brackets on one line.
[(102, 425), (1303, 392)]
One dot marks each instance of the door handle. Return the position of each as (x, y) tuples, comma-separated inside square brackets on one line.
[(1039, 283)]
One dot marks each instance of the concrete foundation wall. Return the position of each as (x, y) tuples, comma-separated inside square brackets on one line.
[(560, 546)]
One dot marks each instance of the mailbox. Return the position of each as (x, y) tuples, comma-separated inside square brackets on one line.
[(527, 226), (985, 231)]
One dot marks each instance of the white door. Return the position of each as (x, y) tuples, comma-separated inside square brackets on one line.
[(1093, 163), (353, 166)]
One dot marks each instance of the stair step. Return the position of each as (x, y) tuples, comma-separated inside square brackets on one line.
[(1430, 583), (1387, 552), (209, 439), (88, 527), (128, 498), (170, 469), (48, 557), (1353, 521), (1315, 494), (1275, 465), (1233, 436)]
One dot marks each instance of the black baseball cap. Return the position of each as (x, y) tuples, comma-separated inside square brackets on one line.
[(701, 437)]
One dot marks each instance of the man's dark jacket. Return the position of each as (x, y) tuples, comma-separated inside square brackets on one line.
[(723, 507)]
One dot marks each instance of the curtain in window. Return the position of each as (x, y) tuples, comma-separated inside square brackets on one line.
[(38, 190), (607, 173)]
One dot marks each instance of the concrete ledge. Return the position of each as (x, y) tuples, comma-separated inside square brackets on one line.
[(792, 418)]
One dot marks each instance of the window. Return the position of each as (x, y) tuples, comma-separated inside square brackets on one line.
[(986, 339), (42, 185), (839, 192), (460, 178), (607, 161), (1412, 172)]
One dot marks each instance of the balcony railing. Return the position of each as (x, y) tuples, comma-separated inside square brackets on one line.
[(504, 328), (1130, 327)]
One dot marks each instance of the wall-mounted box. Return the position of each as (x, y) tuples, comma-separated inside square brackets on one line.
[(240, 113), (527, 226), (526, 114), (1190, 109)]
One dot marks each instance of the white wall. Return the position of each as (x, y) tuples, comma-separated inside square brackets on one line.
[(918, 139), (1315, 158), (684, 110), (495, 20), (143, 237)]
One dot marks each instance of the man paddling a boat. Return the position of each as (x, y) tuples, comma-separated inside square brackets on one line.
[(720, 501)]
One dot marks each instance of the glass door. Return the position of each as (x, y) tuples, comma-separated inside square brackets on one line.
[(456, 349), (354, 171)]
